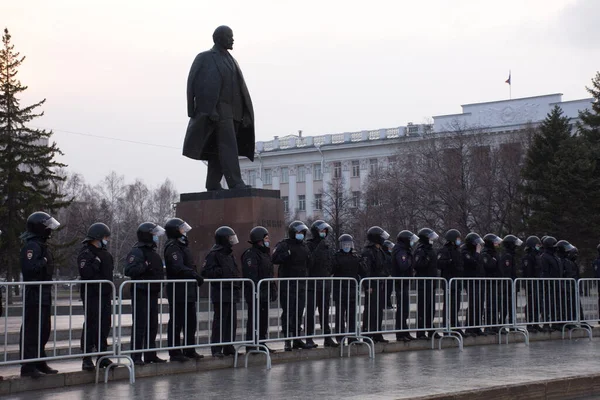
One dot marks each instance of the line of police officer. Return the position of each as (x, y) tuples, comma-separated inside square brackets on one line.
[(297, 257)]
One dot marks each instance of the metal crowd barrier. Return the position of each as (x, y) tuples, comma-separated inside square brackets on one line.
[(294, 296), (220, 309), (589, 300), (424, 316), (39, 339), (553, 302), (483, 306)]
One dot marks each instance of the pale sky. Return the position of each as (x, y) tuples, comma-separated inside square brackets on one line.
[(119, 68)]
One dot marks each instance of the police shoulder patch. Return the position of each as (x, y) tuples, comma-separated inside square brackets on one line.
[(175, 256), (507, 263), (439, 256), (29, 254), (525, 262), (249, 262), (131, 259), (468, 257), (403, 258), (82, 264)]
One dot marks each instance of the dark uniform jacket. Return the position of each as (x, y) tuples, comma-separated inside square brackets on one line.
[(425, 261), (507, 265), (473, 267), (257, 265), (220, 264), (95, 264), (596, 265), (180, 265), (293, 258), (375, 261), (321, 254), (551, 265), (402, 261), (144, 263), (490, 262), (347, 265), (37, 264), (530, 264), (449, 261)]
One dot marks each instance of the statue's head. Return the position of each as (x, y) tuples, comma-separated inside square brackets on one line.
[(223, 37)]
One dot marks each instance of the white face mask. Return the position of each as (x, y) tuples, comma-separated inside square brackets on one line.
[(299, 236), (347, 248), (104, 242), (267, 244)]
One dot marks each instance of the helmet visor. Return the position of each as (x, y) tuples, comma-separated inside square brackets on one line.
[(479, 241), (157, 231), (51, 224), (301, 227), (385, 235), (569, 247), (519, 242), (347, 244), (184, 228), (233, 239), (433, 236), (414, 239)]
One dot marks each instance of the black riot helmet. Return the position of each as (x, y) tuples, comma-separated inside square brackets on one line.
[(40, 224), (452, 235), (176, 228), (318, 226), (563, 246), (225, 236), (377, 235), (573, 255), (598, 249), (549, 242), (473, 239), (544, 238), (147, 231), (427, 235), (297, 227), (257, 234), (511, 242), (490, 240), (97, 231), (532, 242), (407, 237)]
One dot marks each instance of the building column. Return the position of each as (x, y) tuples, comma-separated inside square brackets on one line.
[(275, 178), (310, 191), (292, 189), (346, 167)]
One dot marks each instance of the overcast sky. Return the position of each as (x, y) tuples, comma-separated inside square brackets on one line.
[(118, 68)]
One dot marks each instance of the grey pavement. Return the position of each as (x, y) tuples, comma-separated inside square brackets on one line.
[(389, 376)]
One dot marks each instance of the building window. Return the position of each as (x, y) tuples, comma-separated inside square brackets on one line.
[(355, 169), (317, 172), (286, 203), (301, 202), (301, 176), (355, 199), (285, 175), (373, 166), (267, 176), (339, 201), (337, 169), (392, 162), (252, 178), (318, 202)]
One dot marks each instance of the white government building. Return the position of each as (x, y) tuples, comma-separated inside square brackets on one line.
[(301, 166)]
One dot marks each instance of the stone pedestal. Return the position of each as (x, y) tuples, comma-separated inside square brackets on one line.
[(240, 209)]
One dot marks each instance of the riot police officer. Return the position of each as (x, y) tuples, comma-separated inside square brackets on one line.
[(531, 269), (319, 292), (402, 267), (294, 258), (388, 247), (489, 259), (95, 263), (449, 262), (567, 300), (507, 265), (374, 256), (257, 265), (37, 264), (347, 263), (425, 267), (473, 268), (144, 263), (180, 264), (220, 264), (552, 269)]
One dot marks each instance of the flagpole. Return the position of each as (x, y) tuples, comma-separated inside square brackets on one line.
[(509, 84)]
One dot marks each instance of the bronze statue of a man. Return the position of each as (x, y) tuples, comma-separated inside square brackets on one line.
[(221, 126)]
